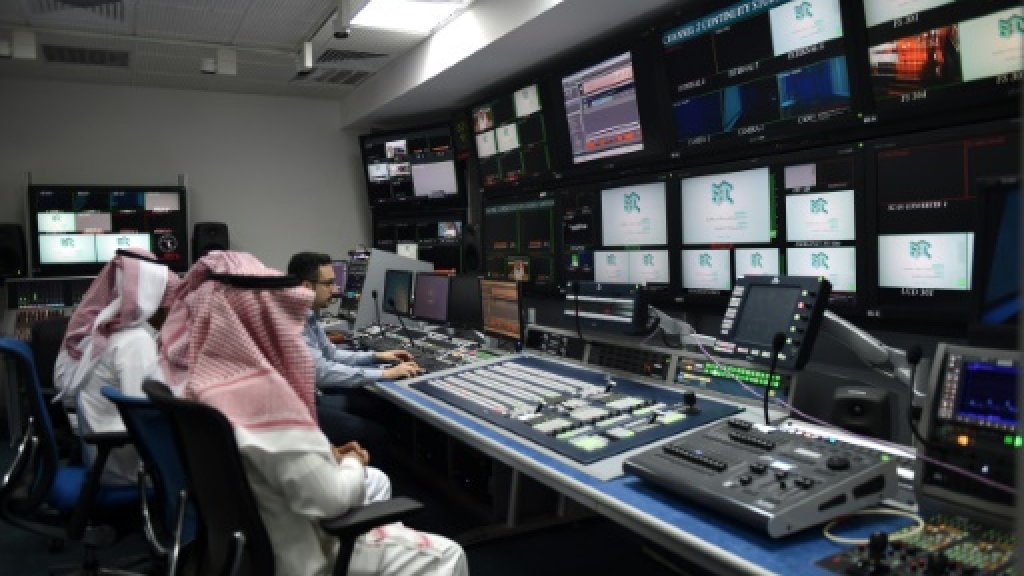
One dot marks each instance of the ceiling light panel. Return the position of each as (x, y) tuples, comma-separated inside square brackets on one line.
[(409, 15)]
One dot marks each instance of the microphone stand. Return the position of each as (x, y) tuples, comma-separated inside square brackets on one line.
[(376, 311), (777, 342), (405, 330)]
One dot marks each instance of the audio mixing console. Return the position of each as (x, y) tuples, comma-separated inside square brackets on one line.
[(775, 479), (948, 545), (583, 414)]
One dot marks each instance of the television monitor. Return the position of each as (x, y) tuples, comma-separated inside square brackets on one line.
[(634, 215), (407, 249), (430, 297), (926, 191), (825, 207), (75, 230), (631, 267), (340, 276), (512, 138), (374, 279), (935, 58), (838, 264), (751, 72), (926, 262), (417, 164), (519, 239), (757, 262), (599, 303), (500, 309), (971, 420), (728, 208), (601, 109), (707, 270), (464, 302), (997, 267), (397, 292), (449, 230)]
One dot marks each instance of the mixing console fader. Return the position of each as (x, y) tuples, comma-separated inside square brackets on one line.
[(776, 480), (579, 413)]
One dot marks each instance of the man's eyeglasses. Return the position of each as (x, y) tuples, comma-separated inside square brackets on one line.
[(329, 282)]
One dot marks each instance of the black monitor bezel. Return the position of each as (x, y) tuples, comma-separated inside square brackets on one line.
[(366, 141)]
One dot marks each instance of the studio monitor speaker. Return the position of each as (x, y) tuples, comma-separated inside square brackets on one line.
[(207, 236), (13, 261), (863, 410)]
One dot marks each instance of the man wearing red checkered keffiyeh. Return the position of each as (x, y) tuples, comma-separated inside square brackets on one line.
[(110, 341), (240, 350)]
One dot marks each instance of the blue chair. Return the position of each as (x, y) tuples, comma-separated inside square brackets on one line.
[(41, 494), (173, 524)]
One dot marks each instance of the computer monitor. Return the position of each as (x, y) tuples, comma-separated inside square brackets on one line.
[(430, 297), (408, 249), (397, 292), (499, 308), (340, 276), (464, 302), (634, 215), (971, 421), (377, 265)]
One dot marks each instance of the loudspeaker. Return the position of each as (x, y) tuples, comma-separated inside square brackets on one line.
[(207, 236), (863, 410), (13, 262)]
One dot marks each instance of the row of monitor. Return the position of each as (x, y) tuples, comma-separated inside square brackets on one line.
[(924, 223), (721, 77), (466, 302)]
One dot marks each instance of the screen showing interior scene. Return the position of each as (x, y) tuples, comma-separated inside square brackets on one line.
[(397, 292), (511, 138)]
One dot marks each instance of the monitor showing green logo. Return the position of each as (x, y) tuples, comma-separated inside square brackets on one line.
[(631, 203), (721, 193)]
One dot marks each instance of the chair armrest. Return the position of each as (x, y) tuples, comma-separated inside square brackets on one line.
[(363, 518), (107, 440)]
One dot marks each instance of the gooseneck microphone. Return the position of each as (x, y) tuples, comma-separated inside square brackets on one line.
[(376, 311), (914, 354), (778, 341), (405, 330)]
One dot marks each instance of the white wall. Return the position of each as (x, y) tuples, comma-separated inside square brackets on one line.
[(279, 171)]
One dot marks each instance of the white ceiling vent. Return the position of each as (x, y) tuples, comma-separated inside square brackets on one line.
[(333, 76), (332, 55), (110, 9), (86, 56)]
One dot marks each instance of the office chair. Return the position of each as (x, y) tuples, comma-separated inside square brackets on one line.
[(232, 539), (172, 525), (39, 493), (47, 337)]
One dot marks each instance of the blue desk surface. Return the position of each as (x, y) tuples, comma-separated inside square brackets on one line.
[(694, 532)]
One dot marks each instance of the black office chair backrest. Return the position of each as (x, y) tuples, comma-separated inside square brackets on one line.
[(29, 487), (47, 336), (219, 488)]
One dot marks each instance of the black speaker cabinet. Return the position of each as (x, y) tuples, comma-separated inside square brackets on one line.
[(864, 410), (13, 260), (207, 236)]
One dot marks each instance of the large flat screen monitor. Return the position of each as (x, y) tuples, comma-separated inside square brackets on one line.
[(430, 297), (410, 165), (500, 309), (634, 215), (752, 72), (601, 110), (939, 55), (75, 230), (728, 208), (519, 240)]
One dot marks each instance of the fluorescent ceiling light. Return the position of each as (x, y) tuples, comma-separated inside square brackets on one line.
[(408, 15)]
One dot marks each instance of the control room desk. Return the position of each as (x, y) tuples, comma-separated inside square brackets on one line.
[(697, 534)]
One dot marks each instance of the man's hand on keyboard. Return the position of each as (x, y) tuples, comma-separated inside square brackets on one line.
[(403, 370), (393, 356)]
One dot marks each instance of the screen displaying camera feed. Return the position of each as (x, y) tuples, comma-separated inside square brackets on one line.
[(404, 166), (519, 241), (926, 56), (757, 71)]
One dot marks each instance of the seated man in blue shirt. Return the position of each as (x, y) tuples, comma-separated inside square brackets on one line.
[(347, 412)]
